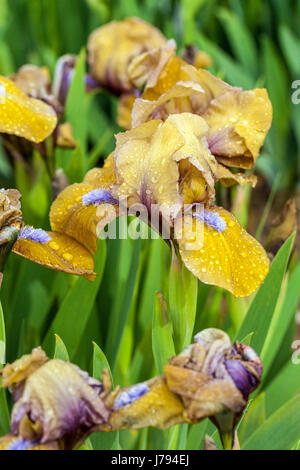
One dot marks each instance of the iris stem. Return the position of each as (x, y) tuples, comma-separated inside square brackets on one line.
[(226, 438)]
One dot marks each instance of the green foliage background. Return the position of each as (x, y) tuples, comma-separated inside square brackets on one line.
[(120, 318)]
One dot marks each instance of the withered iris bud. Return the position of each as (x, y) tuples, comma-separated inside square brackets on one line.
[(54, 400)]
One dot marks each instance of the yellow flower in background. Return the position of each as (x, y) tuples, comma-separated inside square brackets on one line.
[(238, 120), (112, 46), (23, 116)]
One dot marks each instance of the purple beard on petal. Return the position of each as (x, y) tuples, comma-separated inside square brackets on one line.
[(213, 220), (20, 444), (34, 234), (129, 396), (98, 196)]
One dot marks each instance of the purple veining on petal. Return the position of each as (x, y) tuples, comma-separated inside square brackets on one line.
[(34, 234), (129, 396), (98, 196), (213, 220), (20, 444)]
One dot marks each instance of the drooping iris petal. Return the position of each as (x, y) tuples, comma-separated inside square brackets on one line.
[(76, 213), (227, 256), (23, 116), (238, 123), (60, 252)]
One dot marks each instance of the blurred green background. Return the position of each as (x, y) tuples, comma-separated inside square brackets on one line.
[(252, 43)]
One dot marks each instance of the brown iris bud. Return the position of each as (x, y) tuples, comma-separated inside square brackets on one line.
[(10, 223), (55, 401)]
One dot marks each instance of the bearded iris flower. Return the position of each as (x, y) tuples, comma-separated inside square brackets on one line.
[(238, 120), (112, 47), (169, 165)]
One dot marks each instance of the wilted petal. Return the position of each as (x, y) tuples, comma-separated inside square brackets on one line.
[(238, 124), (172, 101), (227, 178), (157, 407), (195, 149), (227, 256), (23, 116), (112, 47), (282, 227), (56, 251), (148, 66), (58, 397), (21, 369)]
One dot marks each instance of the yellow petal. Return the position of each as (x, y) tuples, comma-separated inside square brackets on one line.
[(113, 46), (194, 130), (82, 222), (102, 177), (61, 253), (228, 178), (171, 102), (124, 110), (145, 168), (238, 124), (23, 116), (158, 408), (149, 65), (227, 257)]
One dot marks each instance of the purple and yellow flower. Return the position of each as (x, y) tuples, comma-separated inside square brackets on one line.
[(56, 404)]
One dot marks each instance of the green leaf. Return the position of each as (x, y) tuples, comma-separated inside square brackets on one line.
[(183, 288), (162, 341), (280, 431), (254, 417), (60, 349), (102, 440), (72, 317), (261, 310), (290, 45), (100, 362), (283, 387), (241, 40), (282, 320), (76, 105)]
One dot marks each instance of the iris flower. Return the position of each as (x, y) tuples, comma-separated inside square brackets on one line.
[(237, 120), (168, 167), (112, 47)]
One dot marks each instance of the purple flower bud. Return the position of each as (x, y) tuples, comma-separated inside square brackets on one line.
[(245, 368)]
